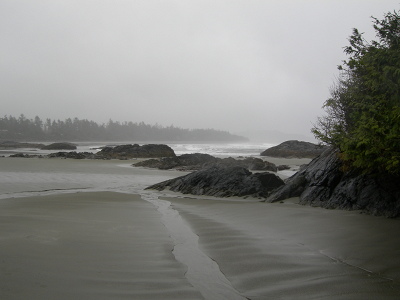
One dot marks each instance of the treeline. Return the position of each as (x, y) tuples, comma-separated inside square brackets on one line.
[(22, 128)]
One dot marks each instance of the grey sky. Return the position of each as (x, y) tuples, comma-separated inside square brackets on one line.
[(229, 65)]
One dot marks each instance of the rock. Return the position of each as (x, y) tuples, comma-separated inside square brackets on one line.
[(18, 155), (283, 167), (73, 155), (184, 162), (59, 146), (15, 145), (197, 161), (223, 181), (22, 155), (323, 183), (136, 151), (296, 149), (252, 163)]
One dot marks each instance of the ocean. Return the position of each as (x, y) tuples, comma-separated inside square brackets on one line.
[(218, 150)]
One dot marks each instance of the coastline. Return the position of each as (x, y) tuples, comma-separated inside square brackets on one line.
[(82, 229)]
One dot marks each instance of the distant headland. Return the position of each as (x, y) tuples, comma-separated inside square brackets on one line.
[(74, 129)]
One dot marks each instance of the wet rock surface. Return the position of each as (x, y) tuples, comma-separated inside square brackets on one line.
[(74, 155), (296, 149), (16, 145), (59, 146), (136, 151), (197, 161), (223, 181), (323, 183)]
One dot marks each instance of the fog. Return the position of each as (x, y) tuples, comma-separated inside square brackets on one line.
[(240, 66)]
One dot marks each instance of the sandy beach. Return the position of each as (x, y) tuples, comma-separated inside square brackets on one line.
[(73, 229)]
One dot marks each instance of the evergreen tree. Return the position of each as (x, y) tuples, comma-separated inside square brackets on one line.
[(363, 112)]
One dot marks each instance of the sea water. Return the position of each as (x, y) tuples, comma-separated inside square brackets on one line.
[(215, 149)]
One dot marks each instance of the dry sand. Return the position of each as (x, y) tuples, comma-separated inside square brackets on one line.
[(104, 244)]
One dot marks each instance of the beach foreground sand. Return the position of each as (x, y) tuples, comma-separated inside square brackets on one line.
[(87, 246), (289, 251), (88, 230)]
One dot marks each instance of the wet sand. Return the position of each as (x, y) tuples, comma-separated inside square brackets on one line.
[(288, 251), (106, 242), (87, 246)]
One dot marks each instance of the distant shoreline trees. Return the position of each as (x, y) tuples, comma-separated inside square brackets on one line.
[(22, 128), (363, 114)]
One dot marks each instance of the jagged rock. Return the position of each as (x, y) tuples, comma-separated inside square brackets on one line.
[(197, 161), (297, 149), (136, 151), (59, 146), (323, 183), (223, 181)]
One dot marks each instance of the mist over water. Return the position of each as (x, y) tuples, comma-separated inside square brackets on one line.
[(228, 65)]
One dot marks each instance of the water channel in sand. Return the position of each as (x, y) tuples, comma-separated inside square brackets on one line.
[(202, 272)]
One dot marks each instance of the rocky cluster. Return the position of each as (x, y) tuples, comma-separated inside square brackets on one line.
[(324, 183), (122, 152), (223, 181), (182, 162), (197, 161), (136, 151), (16, 145), (74, 155)]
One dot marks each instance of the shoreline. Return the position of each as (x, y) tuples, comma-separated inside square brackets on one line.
[(107, 242)]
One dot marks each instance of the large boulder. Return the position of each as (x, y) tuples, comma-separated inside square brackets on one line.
[(223, 181), (59, 146), (251, 163), (323, 183), (296, 149), (197, 161), (136, 151), (194, 161)]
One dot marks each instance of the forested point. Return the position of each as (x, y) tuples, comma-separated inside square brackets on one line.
[(24, 129), (363, 113)]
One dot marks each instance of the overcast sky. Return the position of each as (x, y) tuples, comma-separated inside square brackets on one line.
[(229, 65)]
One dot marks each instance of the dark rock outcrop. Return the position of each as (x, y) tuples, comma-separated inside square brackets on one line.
[(136, 151), (183, 162), (323, 183), (223, 181), (59, 146), (22, 155), (296, 149), (197, 161), (251, 163), (16, 145), (74, 155)]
